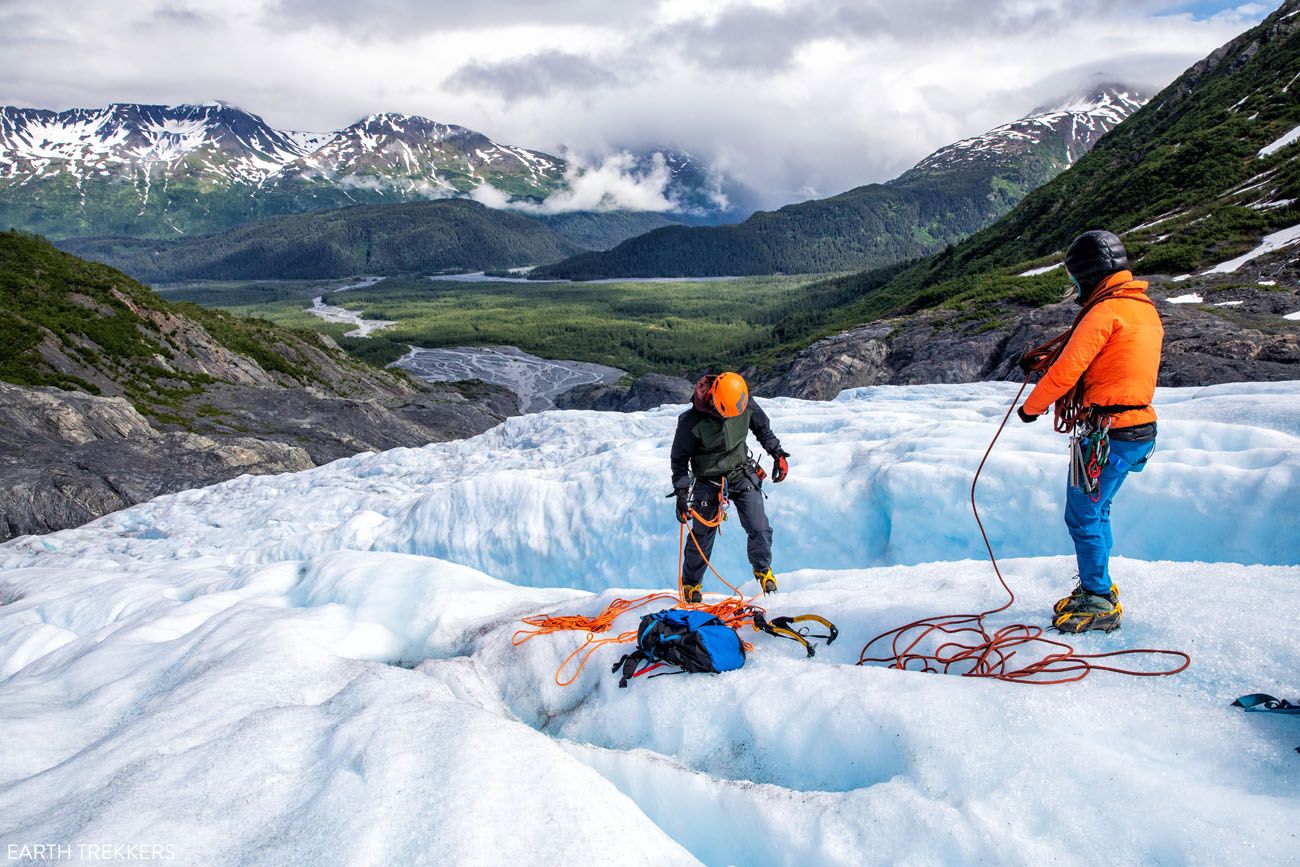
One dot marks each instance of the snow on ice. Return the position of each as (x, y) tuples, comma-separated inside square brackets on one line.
[(317, 667)]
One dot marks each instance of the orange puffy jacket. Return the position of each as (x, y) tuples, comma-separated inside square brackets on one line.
[(1115, 350)]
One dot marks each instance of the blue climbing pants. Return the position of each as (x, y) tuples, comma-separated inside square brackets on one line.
[(1089, 521)]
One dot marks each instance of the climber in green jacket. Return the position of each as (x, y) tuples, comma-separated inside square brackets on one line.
[(709, 451)]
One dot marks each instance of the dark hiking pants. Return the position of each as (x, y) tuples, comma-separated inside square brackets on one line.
[(747, 501)]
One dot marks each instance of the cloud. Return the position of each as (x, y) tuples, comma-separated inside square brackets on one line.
[(790, 97), (618, 182), (543, 74), (407, 19), (180, 15)]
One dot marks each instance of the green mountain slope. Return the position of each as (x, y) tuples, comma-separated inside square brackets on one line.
[(84, 326), (367, 239), (600, 230), (1189, 181), (952, 193), (111, 395)]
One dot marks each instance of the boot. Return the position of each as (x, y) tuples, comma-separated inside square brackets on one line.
[(692, 594), (1075, 598), (1082, 611), (766, 580)]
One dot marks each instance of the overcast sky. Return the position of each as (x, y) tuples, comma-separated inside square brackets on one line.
[(793, 97)]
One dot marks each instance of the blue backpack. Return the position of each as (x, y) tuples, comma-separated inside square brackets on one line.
[(694, 641)]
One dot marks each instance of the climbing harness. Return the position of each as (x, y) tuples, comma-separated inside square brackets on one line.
[(967, 648), (735, 612)]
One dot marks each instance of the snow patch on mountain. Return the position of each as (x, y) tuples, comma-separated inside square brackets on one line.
[(401, 156), (1077, 123), (1275, 146), (1270, 243)]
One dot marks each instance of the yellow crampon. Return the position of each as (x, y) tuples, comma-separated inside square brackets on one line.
[(784, 627), (1082, 621), (1062, 604)]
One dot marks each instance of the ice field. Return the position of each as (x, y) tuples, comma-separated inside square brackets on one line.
[(317, 668)]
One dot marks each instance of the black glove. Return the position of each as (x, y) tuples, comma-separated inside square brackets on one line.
[(1027, 362), (780, 466), (683, 496), (1024, 416)]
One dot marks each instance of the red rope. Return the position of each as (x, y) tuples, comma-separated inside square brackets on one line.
[(967, 648)]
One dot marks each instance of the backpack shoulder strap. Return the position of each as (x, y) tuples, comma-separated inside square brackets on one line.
[(629, 664)]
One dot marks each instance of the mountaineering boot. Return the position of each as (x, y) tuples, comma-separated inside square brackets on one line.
[(766, 580), (1087, 611), (1075, 598), (692, 593)]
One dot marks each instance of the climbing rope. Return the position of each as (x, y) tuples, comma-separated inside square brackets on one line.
[(735, 610), (1070, 411), (967, 648)]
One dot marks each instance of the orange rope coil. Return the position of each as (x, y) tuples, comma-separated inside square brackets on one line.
[(735, 610)]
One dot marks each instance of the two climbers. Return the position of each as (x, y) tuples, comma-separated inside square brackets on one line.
[(712, 462), (1101, 375), (1102, 379)]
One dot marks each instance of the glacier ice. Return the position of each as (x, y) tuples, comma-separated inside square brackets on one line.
[(317, 667)]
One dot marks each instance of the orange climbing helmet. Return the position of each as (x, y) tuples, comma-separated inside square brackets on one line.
[(730, 394)]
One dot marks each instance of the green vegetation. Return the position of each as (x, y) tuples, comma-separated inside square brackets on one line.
[(59, 313), (414, 238), (231, 293), (638, 326), (1175, 178), (600, 230), (45, 294), (870, 226)]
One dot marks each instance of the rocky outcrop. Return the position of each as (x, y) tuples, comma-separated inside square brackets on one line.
[(171, 396), (68, 457), (645, 392), (1236, 333), (329, 427)]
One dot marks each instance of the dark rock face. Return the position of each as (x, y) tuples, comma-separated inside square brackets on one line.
[(1238, 333), (329, 427), (646, 392), (67, 457)]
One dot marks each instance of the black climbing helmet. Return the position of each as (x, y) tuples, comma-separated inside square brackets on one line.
[(1093, 257)]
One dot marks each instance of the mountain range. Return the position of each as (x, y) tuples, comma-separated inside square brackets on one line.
[(160, 171), (1202, 184), (950, 194), (1198, 176)]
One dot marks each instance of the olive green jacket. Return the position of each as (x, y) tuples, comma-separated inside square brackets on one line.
[(711, 446)]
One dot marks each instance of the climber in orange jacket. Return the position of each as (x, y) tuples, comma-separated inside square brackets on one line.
[(1107, 371)]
